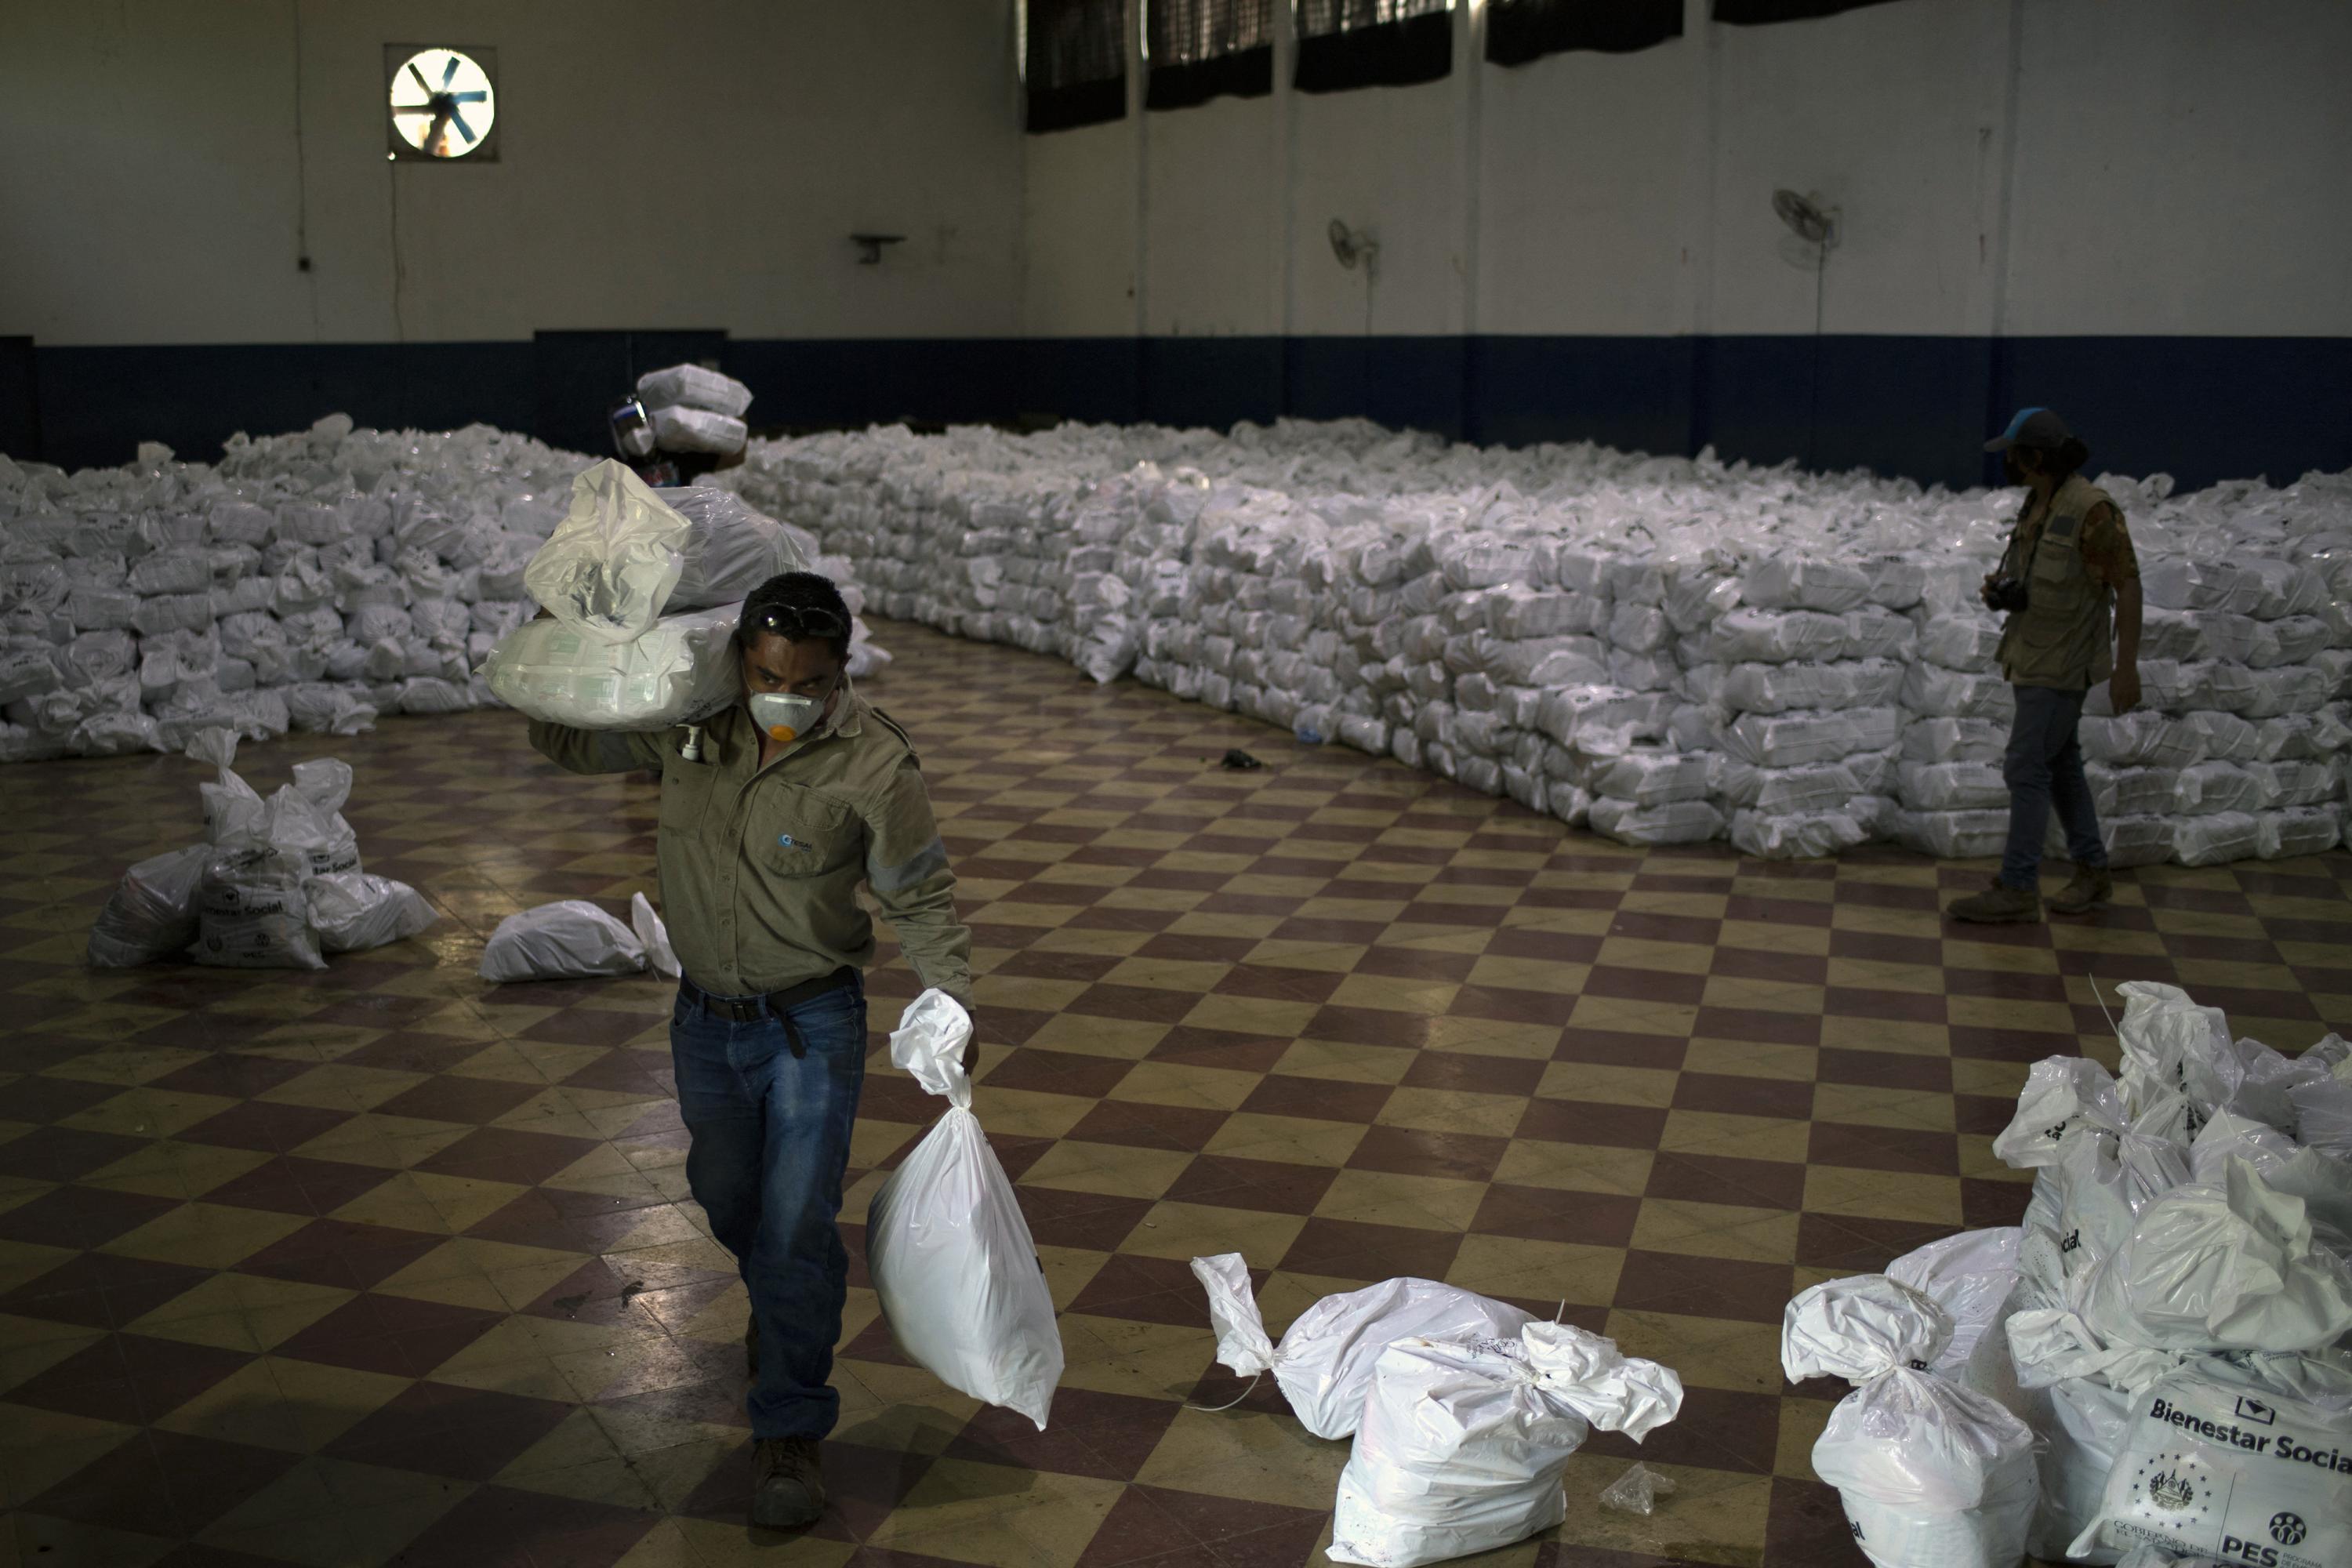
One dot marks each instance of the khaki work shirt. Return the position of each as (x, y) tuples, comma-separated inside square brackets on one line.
[(760, 868)]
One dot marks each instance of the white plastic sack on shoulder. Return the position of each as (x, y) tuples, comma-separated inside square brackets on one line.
[(354, 911), (660, 957), (1324, 1363), (952, 1262), (1970, 1276), (678, 429), (571, 940), (729, 548), (693, 387), (1931, 1474), (682, 671), (2059, 1092), (2234, 1266), (1464, 1442), (151, 914), (609, 567), (251, 911), (2215, 1462)]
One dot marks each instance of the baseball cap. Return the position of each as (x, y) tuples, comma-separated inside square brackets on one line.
[(2035, 429)]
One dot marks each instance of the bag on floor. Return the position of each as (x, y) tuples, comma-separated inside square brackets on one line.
[(251, 911), (1932, 1475), (151, 914), (1324, 1363), (355, 910), (1464, 1442), (2218, 1461), (958, 1275), (572, 939)]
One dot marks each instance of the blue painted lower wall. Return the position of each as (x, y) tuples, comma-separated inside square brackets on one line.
[(2201, 408)]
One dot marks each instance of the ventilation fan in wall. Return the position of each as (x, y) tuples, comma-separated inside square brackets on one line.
[(1807, 218), (1353, 245), (442, 102)]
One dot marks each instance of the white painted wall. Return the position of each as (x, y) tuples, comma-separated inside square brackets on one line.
[(683, 165), (2002, 166)]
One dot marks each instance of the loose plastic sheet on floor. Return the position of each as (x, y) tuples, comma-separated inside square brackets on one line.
[(376, 1263)]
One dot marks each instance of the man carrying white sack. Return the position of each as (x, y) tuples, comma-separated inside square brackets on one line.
[(2068, 553), (771, 815)]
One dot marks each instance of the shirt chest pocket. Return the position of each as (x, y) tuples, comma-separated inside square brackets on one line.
[(795, 832), (2059, 557)]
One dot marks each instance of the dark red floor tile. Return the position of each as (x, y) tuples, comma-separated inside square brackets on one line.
[(1856, 1246), (291, 1184), (1883, 1070), (101, 1291), (1987, 1043), (473, 1101), (1614, 1048), (1420, 964), (1350, 1249), (1890, 1006), (1990, 1203), (1884, 1149), (395, 1335), (1147, 1289), (1271, 1186), (1807, 1525), (1720, 1178), (341, 1253), (80, 1216), (1061, 1072), (1730, 1094), (1718, 1429), (1107, 1436), (1059, 1218), (507, 1155), (1759, 1026), (407, 1050), (1279, 1094), (504, 1526), (1196, 1047), (1554, 946), (1645, 925), (62, 1154), (1546, 1214), (1411, 1152), (1592, 1121), (1645, 984), (164, 1483), (1478, 1074), (1172, 1127), (1368, 1026), (259, 1124), (465, 1434), (128, 1377), (1704, 1287)]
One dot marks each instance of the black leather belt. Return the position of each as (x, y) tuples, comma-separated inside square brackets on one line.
[(776, 1004)]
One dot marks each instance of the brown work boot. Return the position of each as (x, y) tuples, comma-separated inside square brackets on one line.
[(2091, 887), (787, 1488), (1999, 904)]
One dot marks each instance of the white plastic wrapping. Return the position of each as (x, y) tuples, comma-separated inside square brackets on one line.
[(570, 940), (1464, 1442), (952, 1262), (1932, 1474), (352, 910), (683, 670), (609, 567), (1324, 1363), (693, 387), (151, 914), (681, 429)]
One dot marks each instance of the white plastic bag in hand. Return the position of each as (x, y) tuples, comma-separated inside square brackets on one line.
[(1463, 1442), (151, 914), (2218, 1461), (572, 939), (949, 1254), (609, 566), (648, 928), (1324, 1363), (1932, 1475)]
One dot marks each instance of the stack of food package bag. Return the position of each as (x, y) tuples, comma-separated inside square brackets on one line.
[(643, 589), (312, 581), (694, 409), (2169, 1328), (1666, 650), (276, 884)]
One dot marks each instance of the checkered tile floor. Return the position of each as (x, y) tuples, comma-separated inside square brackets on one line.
[(381, 1266)]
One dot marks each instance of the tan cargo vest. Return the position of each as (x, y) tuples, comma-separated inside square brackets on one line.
[(2060, 639)]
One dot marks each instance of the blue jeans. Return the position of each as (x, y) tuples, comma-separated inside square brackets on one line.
[(769, 1125), (2043, 768)]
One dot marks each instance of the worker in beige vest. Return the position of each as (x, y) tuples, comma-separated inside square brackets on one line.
[(2070, 586)]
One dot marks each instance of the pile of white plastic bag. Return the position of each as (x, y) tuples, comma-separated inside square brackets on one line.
[(2166, 1348), (312, 581), (277, 883), (575, 940), (1668, 649), (1464, 1411)]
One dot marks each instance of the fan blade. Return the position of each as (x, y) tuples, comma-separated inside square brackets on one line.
[(464, 130), (468, 97), (422, 85), (451, 74)]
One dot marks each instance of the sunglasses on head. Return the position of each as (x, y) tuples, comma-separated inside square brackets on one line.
[(793, 624)]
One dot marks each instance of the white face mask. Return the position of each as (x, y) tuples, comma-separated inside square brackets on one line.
[(783, 716)]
